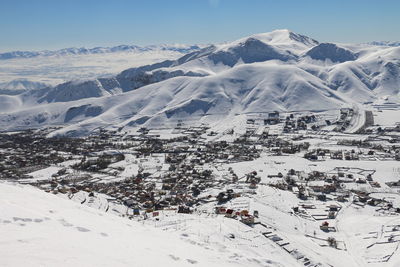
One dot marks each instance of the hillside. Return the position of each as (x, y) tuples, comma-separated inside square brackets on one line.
[(39, 229)]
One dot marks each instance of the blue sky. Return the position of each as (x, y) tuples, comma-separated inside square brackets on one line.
[(52, 24)]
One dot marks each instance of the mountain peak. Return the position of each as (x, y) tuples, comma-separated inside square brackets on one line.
[(285, 39), (285, 36)]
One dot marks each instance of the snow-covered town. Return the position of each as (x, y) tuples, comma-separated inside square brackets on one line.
[(302, 184)]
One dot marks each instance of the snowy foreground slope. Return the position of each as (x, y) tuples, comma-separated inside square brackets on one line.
[(39, 229), (280, 70)]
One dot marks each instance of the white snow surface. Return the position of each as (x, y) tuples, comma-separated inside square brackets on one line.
[(40, 229)]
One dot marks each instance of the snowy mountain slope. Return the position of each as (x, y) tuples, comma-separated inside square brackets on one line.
[(281, 39), (40, 229), (249, 51), (281, 45), (126, 81), (257, 48), (262, 87), (280, 70), (372, 75), (332, 52)]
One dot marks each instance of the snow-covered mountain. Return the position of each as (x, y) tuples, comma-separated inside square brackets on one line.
[(181, 48), (385, 43), (332, 52), (280, 70), (20, 85)]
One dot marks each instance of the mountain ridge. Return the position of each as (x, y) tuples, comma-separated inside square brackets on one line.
[(98, 50)]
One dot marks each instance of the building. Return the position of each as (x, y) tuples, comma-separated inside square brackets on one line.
[(273, 118)]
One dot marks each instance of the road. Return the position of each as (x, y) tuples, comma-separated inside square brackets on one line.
[(361, 119)]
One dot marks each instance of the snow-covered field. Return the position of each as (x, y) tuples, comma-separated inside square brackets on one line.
[(387, 117)]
